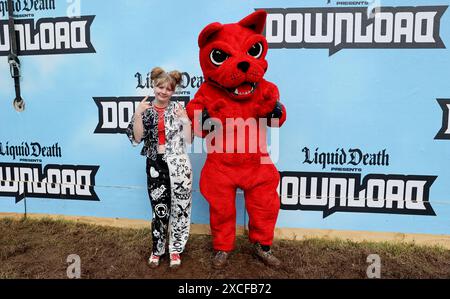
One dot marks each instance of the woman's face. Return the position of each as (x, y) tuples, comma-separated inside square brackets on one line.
[(163, 92)]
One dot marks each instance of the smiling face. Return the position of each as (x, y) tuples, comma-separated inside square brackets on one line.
[(163, 92), (233, 55)]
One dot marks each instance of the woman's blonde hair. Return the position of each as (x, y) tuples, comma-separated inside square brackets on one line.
[(159, 77)]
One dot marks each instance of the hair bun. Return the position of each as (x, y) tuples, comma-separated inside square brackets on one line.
[(159, 76), (156, 72), (176, 76)]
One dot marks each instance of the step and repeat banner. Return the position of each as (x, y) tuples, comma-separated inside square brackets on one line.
[(366, 145)]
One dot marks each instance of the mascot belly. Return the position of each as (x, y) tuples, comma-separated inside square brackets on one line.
[(240, 104)]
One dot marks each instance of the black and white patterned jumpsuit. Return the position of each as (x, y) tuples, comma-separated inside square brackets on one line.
[(169, 180)]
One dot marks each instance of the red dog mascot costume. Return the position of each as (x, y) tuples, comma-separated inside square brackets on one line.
[(232, 58)]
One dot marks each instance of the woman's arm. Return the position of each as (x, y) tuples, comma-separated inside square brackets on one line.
[(135, 129), (195, 109), (138, 127)]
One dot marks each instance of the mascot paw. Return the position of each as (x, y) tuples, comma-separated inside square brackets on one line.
[(277, 112), (266, 107), (219, 111), (268, 103), (207, 122), (217, 108)]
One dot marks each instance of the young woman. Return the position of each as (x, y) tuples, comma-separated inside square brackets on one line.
[(165, 128)]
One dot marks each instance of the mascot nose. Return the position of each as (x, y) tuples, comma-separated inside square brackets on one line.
[(243, 66)]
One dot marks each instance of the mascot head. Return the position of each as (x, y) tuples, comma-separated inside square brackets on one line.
[(232, 56)]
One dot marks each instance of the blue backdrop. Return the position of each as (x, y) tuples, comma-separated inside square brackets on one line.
[(82, 76)]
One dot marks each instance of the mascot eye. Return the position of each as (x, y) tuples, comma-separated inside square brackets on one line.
[(256, 50), (218, 57)]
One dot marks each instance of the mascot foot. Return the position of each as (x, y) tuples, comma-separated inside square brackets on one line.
[(266, 255), (220, 259)]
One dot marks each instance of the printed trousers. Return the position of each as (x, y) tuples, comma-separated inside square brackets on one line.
[(169, 182)]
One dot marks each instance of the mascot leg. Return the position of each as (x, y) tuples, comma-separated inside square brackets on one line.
[(220, 192), (263, 204)]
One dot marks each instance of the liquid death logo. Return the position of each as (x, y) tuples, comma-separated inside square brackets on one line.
[(344, 192), (21, 7), (32, 149), (187, 81), (341, 156), (337, 28), (61, 35), (22, 180)]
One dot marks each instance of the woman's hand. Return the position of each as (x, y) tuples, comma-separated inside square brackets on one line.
[(143, 106), (180, 112)]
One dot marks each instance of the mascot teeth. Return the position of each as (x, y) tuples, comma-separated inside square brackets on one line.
[(245, 92), (236, 92)]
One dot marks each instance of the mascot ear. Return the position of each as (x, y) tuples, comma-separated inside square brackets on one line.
[(255, 21), (207, 32)]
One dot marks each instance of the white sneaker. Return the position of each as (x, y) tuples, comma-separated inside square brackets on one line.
[(153, 261), (175, 260)]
